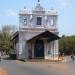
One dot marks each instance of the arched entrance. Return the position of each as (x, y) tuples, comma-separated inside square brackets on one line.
[(39, 49)]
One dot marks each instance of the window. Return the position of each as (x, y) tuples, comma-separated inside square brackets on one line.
[(39, 20), (25, 21), (51, 21)]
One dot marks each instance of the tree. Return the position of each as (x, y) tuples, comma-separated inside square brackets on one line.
[(5, 38), (5, 42), (67, 44)]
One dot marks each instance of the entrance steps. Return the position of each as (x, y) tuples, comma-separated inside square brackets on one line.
[(41, 60)]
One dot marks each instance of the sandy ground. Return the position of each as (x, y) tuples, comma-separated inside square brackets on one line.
[(15, 67), (2, 72)]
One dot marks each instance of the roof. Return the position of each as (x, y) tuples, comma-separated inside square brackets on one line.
[(47, 34), (16, 34)]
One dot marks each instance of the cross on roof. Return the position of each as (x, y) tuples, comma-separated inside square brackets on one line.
[(38, 1)]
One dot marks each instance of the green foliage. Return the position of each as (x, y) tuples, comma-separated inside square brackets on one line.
[(5, 42), (67, 44), (5, 37)]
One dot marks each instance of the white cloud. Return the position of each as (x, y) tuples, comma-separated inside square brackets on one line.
[(11, 12)]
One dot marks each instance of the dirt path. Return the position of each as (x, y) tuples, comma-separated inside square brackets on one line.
[(2, 72)]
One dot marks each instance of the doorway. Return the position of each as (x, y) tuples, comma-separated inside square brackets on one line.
[(39, 49)]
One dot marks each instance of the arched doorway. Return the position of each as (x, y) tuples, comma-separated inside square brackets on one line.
[(39, 49)]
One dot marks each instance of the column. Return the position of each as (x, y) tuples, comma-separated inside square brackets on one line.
[(56, 49), (21, 52), (45, 49), (52, 50)]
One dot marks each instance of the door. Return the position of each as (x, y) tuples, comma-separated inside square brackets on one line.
[(39, 49)]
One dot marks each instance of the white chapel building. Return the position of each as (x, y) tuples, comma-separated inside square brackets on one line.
[(37, 37)]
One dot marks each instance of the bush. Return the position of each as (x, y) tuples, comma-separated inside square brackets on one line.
[(12, 56)]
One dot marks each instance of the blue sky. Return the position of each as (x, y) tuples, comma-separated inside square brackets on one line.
[(9, 10)]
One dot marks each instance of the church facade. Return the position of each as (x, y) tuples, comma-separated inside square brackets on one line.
[(37, 37)]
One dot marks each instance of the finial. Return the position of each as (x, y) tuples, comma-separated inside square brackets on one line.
[(38, 1)]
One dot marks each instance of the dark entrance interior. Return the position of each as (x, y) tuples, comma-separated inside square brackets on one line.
[(39, 49)]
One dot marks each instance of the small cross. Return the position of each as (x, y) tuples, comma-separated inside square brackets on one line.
[(38, 1)]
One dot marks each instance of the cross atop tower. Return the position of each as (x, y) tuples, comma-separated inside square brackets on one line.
[(38, 1)]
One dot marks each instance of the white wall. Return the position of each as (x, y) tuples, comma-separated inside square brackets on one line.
[(51, 50)]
